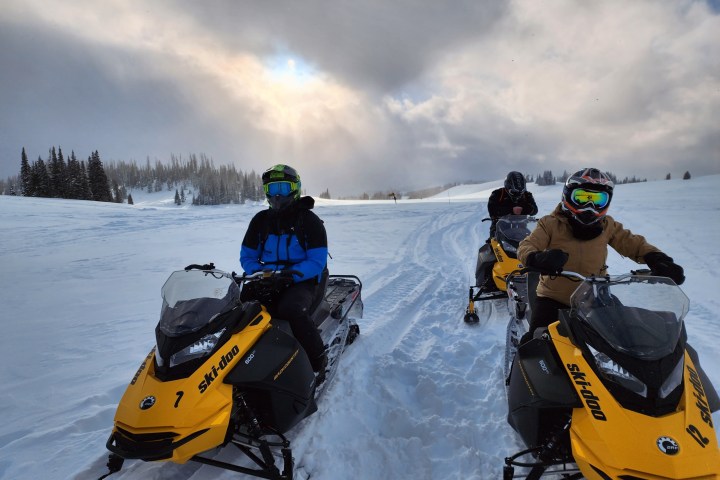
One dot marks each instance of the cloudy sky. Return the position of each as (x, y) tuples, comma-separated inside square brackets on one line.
[(367, 95)]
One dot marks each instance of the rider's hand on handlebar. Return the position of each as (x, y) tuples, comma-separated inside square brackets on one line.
[(285, 273), (548, 261), (663, 266)]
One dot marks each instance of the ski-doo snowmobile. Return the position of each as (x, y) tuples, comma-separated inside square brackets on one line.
[(496, 260), (224, 371), (612, 390)]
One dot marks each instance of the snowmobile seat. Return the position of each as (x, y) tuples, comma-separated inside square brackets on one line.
[(320, 307), (320, 293), (283, 325)]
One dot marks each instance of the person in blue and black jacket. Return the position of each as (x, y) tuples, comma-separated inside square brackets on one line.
[(286, 237)]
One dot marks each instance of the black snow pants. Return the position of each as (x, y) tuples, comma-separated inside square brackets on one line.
[(294, 305)]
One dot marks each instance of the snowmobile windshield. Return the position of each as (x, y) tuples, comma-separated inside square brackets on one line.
[(514, 228), (640, 316), (192, 299)]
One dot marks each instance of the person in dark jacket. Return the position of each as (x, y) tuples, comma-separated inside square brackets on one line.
[(513, 198), (288, 237)]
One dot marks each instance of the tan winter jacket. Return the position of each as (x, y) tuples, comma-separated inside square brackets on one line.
[(587, 257)]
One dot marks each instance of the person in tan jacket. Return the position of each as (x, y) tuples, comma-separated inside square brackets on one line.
[(575, 237)]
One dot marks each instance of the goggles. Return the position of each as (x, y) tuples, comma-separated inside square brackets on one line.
[(283, 188), (581, 196)]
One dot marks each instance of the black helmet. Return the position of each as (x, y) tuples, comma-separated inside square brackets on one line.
[(586, 195), (281, 184), (515, 185)]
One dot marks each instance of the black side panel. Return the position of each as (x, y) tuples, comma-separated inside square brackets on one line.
[(546, 375), (540, 396), (277, 380)]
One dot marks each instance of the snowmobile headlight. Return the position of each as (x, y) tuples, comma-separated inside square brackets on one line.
[(508, 247), (198, 349), (615, 372), (673, 380)]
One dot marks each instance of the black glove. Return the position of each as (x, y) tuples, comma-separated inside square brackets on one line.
[(548, 261), (283, 280), (286, 273), (663, 266), (266, 290)]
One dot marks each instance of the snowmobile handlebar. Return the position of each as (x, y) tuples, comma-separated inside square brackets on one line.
[(541, 271), (195, 266), (265, 275), (573, 275), (530, 218)]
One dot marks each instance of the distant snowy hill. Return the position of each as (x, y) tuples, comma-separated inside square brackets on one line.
[(420, 394)]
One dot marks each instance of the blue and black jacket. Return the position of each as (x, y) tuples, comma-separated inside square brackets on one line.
[(290, 239)]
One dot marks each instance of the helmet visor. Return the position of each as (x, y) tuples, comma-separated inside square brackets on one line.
[(580, 196), (280, 188)]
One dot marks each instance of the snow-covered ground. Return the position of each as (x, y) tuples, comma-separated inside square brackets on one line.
[(420, 393)]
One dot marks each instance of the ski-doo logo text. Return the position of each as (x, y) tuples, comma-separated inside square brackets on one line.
[(591, 400), (699, 394), (142, 367), (215, 371)]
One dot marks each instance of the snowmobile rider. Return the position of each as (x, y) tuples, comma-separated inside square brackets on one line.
[(289, 237), (575, 237), (513, 198)]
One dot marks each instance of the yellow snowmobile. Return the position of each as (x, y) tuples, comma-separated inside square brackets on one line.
[(612, 390), (496, 260), (224, 371)]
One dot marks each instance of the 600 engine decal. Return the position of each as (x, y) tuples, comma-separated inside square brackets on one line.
[(214, 372), (591, 400)]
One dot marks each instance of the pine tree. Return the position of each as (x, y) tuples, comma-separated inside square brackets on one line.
[(686, 176), (546, 178), (40, 179), (58, 174), (130, 200), (85, 193), (74, 178), (667, 177), (177, 197), (25, 176), (99, 187)]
